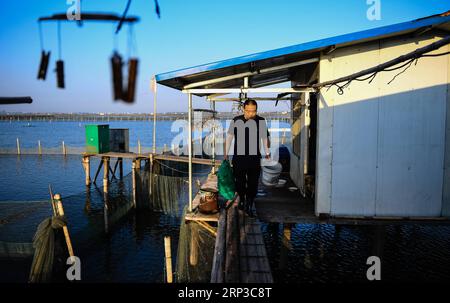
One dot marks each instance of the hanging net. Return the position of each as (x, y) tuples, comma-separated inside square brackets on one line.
[(195, 253)]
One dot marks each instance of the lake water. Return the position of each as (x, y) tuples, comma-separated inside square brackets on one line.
[(133, 251)]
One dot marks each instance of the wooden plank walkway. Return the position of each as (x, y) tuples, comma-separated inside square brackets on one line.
[(240, 254), (254, 264)]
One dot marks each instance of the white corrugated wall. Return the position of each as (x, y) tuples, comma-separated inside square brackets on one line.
[(380, 147)]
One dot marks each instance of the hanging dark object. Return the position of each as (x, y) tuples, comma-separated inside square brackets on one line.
[(158, 11), (132, 75), (116, 65), (60, 73), (43, 66)]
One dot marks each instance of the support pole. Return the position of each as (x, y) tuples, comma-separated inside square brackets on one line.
[(60, 211), (193, 256), (139, 147), (190, 149), (105, 174), (154, 114), (121, 168), (98, 170), (151, 176), (214, 138), (39, 148), (18, 146), (133, 179), (168, 254), (64, 148), (87, 169), (105, 191)]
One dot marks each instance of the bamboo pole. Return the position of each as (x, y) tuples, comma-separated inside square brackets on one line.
[(139, 147), (105, 174), (39, 148), (105, 191), (151, 176), (133, 179), (168, 254), (64, 148), (190, 149), (18, 146), (154, 114), (60, 211)]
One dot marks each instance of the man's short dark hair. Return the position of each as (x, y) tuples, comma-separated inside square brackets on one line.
[(250, 102)]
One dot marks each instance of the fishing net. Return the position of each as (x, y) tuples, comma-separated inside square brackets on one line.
[(195, 253), (44, 245), (91, 214)]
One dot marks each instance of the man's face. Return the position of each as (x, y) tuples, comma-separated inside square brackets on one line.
[(249, 111)]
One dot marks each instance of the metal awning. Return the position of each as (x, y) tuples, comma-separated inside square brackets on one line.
[(276, 66)]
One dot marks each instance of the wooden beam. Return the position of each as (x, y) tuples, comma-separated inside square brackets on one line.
[(217, 273), (232, 246)]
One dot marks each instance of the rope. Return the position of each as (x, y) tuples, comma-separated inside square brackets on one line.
[(176, 170)]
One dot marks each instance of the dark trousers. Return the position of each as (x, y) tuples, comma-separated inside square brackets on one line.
[(246, 171)]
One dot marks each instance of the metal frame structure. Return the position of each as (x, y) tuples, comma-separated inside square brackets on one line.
[(223, 91)]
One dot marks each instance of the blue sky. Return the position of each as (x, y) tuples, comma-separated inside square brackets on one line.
[(189, 33)]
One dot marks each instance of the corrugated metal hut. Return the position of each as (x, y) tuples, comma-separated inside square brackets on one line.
[(378, 147)]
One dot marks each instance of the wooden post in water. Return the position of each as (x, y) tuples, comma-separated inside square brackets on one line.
[(87, 169), (105, 191), (133, 179), (60, 211), (150, 181), (18, 146), (193, 257), (105, 174), (64, 148), (139, 147), (168, 254), (39, 148)]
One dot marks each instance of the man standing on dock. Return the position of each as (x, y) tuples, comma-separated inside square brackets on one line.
[(247, 130)]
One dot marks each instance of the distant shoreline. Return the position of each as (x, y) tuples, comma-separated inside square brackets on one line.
[(123, 116)]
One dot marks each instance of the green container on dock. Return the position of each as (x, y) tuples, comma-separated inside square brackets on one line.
[(97, 139)]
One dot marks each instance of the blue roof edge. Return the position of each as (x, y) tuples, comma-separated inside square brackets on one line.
[(316, 44)]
